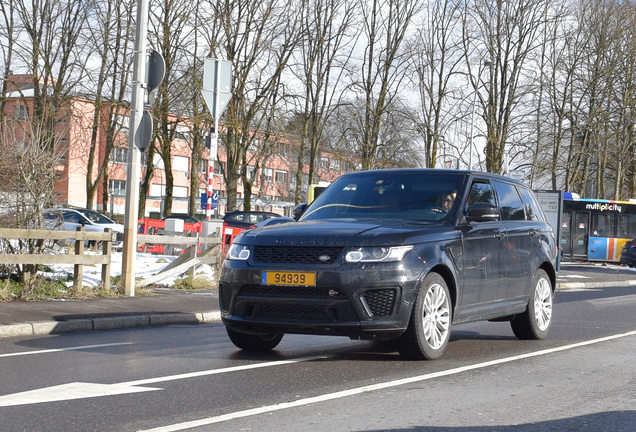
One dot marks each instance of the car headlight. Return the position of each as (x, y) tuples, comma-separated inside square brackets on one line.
[(377, 254), (238, 252)]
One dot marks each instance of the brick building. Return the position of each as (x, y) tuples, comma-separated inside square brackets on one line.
[(275, 180)]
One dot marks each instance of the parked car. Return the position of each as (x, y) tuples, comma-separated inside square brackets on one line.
[(69, 219), (186, 218), (240, 221), (398, 254), (628, 255), (274, 221)]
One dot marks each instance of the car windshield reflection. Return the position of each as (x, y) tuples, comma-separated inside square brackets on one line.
[(382, 195)]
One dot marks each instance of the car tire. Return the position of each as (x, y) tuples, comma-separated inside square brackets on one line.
[(535, 322), (253, 342), (428, 333)]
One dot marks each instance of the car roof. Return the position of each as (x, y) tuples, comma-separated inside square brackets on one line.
[(473, 173)]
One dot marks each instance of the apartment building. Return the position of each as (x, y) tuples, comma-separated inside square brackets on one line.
[(272, 189)]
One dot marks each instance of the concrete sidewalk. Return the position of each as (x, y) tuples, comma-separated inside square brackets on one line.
[(163, 307), (172, 306)]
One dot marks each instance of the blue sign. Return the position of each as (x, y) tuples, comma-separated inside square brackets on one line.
[(214, 201)]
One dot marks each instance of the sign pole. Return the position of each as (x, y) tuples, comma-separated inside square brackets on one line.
[(134, 155), (217, 82), (214, 142)]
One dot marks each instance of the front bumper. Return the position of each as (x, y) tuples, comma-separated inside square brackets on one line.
[(364, 301)]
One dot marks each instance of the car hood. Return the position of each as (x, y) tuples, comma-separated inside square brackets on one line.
[(346, 233)]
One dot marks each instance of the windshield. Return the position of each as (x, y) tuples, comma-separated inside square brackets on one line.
[(425, 196), (96, 217)]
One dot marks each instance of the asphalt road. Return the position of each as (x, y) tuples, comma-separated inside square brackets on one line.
[(191, 378)]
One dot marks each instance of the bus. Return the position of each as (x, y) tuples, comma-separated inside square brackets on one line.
[(596, 229), (315, 190)]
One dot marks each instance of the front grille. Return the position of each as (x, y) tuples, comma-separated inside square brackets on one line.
[(293, 313), (296, 254), (225, 297), (290, 291), (380, 302)]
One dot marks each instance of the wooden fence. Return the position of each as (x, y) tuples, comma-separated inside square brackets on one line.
[(79, 259)]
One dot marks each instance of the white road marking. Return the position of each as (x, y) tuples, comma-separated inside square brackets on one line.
[(79, 390), (70, 391), (77, 348), (374, 387), (220, 371)]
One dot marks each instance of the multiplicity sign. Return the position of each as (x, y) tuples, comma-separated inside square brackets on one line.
[(217, 92), (551, 202)]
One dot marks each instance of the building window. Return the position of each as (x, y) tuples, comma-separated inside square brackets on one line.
[(119, 155), (250, 173), (117, 187), (124, 122), (203, 166), (180, 191), (180, 163), (281, 177), (218, 168), (254, 145), (21, 112), (182, 133), (268, 175), (324, 162), (334, 165), (157, 162), (281, 150)]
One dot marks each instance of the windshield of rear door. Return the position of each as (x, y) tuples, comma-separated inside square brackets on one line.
[(424, 196)]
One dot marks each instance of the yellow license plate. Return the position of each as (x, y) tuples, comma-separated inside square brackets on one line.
[(288, 278)]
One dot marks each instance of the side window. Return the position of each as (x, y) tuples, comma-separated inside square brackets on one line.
[(71, 217), (532, 207), (603, 225), (480, 192), (509, 202)]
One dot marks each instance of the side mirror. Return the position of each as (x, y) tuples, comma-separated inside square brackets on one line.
[(299, 210), (482, 212)]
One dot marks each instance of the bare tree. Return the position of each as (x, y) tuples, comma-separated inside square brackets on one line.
[(28, 171), (436, 50), (112, 40), (9, 32), (54, 54), (170, 30), (258, 38), (324, 55), (382, 71), (504, 34)]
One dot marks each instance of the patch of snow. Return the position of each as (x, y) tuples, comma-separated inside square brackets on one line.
[(145, 265)]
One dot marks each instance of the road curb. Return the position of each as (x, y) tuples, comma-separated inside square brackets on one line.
[(108, 323), (561, 286)]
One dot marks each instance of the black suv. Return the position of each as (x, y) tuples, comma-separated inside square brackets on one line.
[(395, 254), (628, 254)]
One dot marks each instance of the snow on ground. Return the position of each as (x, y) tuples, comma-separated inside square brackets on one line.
[(146, 265)]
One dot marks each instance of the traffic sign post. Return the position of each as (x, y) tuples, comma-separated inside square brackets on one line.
[(148, 73), (217, 86)]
